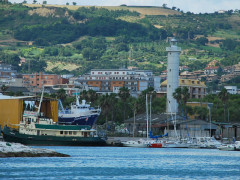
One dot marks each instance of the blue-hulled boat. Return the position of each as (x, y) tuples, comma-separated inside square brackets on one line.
[(80, 114)]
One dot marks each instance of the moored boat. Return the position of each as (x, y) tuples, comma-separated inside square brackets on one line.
[(138, 144), (39, 130), (79, 114), (227, 147), (237, 145), (156, 145)]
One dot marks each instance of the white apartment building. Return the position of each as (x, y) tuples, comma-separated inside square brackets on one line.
[(111, 80)]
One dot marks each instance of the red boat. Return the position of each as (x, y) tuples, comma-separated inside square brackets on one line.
[(155, 145)]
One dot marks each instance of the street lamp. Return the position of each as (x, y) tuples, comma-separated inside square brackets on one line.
[(210, 105)]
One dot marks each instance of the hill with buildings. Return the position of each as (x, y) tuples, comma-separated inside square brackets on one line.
[(76, 39), (115, 47)]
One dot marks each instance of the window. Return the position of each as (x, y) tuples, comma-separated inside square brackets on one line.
[(70, 132), (61, 132), (65, 132), (74, 133)]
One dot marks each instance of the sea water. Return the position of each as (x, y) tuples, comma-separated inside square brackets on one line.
[(125, 163)]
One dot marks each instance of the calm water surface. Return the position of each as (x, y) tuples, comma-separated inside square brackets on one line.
[(125, 163)]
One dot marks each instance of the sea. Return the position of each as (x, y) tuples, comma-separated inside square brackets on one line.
[(125, 163)]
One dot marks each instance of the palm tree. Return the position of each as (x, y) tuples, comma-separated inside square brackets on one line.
[(182, 95), (83, 95), (113, 101), (92, 96), (178, 96), (124, 95), (105, 104), (224, 96)]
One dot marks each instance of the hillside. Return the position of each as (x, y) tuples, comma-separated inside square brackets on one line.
[(75, 39), (143, 10)]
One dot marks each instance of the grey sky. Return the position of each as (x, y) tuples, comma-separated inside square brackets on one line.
[(195, 6)]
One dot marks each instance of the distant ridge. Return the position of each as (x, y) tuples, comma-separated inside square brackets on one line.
[(143, 10)]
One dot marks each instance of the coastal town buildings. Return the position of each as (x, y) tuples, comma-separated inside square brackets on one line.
[(197, 89), (231, 89), (35, 82), (7, 74), (111, 80)]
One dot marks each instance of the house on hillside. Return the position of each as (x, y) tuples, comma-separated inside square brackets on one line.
[(197, 89), (211, 70)]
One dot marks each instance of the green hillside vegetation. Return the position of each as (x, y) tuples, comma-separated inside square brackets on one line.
[(113, 37)]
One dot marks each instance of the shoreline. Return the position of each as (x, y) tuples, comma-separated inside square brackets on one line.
[(18, 150)]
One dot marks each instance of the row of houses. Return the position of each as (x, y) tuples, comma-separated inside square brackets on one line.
[(102, 81)]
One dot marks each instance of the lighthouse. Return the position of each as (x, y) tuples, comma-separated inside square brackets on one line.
[(172, 75)]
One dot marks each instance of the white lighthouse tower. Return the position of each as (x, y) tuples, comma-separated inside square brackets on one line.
[(172, 75)]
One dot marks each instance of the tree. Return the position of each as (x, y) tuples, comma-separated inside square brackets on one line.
[(74, 3), (105, 106), (182, 95), (4, 88), (124, 94), (67, 3), (164, 6), (178, 96), (202, 41), (34, 1), (44, 2), (61, 94), (224, 96)]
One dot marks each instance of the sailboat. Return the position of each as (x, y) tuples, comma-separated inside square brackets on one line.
[(141, 143)]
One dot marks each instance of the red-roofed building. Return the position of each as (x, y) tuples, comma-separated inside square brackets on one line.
[(211, 70)]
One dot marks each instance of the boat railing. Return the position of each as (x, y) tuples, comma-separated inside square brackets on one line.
[(65, 112)]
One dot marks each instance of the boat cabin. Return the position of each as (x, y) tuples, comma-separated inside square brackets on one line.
[(42, 126)]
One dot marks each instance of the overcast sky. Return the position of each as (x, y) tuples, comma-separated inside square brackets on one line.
[(195, 6)]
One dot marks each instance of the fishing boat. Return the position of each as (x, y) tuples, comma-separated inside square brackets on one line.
[(39, 130), (79, 114)]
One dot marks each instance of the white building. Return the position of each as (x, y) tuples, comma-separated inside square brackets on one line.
[(111, 80), (231, 89), (172, 75)]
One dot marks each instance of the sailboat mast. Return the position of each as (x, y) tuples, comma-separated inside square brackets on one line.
[(147, 113), (150, 116)]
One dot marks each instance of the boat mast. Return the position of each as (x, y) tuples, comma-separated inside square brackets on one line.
[(39, 106), (77, 98), (150, 116), (147, 113)]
